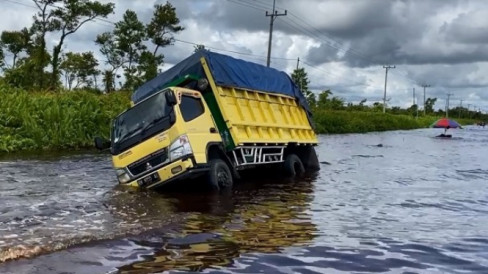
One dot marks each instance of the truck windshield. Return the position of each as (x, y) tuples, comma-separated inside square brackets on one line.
[(140, 119)]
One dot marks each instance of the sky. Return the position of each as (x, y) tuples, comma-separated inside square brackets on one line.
[(342, 44)]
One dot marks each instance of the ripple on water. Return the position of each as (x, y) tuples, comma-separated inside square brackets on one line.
[(411, 206)]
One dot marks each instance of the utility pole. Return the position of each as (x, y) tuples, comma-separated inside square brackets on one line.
[(273, 16), (460, 109), (298, 62), (413, 100), (417, 107), (386, 79), (425, 86), (447, 104)]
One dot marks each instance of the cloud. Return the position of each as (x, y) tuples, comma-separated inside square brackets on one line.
[(341, 44)]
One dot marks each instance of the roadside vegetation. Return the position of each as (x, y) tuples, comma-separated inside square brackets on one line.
[(55, 99), (55, 121), (332, 114), (31, 121)]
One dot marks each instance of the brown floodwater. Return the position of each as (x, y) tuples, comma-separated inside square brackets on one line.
[(391, 202)]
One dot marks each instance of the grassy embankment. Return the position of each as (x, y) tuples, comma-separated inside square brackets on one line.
[(55, 121), (328, 121), (70, 120)]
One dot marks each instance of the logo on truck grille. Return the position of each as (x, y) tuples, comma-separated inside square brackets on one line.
[(149, 162)]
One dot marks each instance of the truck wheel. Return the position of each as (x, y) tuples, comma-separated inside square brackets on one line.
[(293, 166), (219, 176)]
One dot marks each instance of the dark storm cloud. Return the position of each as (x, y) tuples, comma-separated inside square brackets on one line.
[(385, 32), (468, 28), (440, 42)]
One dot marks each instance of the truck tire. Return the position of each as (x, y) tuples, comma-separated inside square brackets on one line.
[(219, 176), (293, 166)]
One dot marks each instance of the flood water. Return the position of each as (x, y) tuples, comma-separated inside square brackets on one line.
[(392, 202)]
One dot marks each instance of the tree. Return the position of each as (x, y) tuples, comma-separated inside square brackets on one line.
[(108, 47), (79, 68), (429, 105), (2, 58), (300, 77), (16, 42), (26, 74), (148, 66), (129, 34), (43, 24), (66, 20), (323, 99), (163, 25)]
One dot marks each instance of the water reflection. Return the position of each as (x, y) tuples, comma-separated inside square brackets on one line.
[(219, 229)]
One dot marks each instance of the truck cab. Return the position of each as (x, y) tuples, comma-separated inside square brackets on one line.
[(163, 138)]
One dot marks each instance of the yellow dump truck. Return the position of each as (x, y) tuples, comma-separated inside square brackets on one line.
[(211, 115)]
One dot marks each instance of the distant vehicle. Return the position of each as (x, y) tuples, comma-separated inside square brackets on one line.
[(211, 115)]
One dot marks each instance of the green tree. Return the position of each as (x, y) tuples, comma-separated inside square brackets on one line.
[(130, 34), (108, 80), (65, 20), (323, 99), (43, 23), (114, 58), (429, 105), (2, 58), (26, 74), (163, 25), (15, 42), (148, 66), (79, 68), (161, 30), (300, 77)]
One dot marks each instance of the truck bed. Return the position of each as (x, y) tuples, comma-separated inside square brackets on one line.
[(255, 117)]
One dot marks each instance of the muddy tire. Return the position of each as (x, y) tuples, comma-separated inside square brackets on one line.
[(219, 176), (293, 166)]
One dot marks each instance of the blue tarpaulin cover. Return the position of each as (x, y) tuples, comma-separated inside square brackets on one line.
[(226, 71)]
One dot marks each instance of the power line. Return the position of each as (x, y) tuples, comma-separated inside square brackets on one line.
[(319, 35), (232, 51), (246, 5)]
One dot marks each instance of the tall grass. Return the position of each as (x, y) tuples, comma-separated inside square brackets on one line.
[(40, 121), (59, 121), (329, 121)]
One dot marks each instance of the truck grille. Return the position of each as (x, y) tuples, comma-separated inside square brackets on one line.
[(148, 162)]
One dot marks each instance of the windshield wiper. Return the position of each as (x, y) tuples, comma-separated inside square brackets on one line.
[(154, 121), (130, 133)]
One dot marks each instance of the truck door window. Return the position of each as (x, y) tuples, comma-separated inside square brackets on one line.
[(191, 107)]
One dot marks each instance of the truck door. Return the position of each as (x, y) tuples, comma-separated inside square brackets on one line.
[(200, 126)]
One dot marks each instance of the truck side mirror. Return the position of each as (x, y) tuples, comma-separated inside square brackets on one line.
[(170, 98), (101, 143)]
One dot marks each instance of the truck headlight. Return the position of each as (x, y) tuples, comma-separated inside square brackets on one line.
[(122, 175), (179, 148)]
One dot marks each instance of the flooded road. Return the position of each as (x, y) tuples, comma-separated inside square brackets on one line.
[(392, 202)]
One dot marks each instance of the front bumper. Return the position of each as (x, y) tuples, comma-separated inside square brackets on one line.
[(178, 170)]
